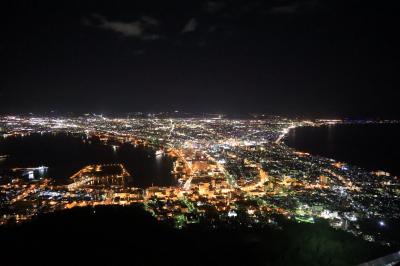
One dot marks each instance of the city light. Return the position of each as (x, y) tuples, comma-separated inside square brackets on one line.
[(219, 165)]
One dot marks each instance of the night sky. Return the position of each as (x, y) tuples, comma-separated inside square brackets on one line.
[(306, 58)]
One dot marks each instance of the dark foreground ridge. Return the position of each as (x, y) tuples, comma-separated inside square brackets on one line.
[(131, 236)]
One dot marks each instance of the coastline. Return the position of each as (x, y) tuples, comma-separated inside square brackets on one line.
[(343, 144)]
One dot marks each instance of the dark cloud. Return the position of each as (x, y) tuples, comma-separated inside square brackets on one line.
[(213, 6), (150, 20), (141, 29), (190, 26), (133, 29)]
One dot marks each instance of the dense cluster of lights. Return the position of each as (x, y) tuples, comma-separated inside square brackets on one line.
[(238, 169)]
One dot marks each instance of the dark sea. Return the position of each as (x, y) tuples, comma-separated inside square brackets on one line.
[(370, 146), (66, 154)]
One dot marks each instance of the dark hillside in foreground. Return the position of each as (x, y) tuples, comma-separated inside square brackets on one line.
[(130, 236)]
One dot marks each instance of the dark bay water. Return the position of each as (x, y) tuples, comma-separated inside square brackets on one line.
[(66, 154), (371, 146)]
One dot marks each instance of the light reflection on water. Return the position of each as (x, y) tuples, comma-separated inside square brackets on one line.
[(65, 155)]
